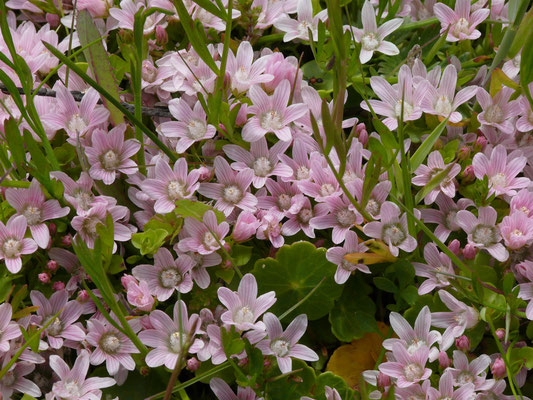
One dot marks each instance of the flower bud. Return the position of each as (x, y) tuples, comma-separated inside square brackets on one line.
[(83, 296), (383, 380), (161, 36), (245, 227), (44, 277), (469, 252), (444, 360), (193, 364), (464, 153), (455, 247), (498, 368), (146, 323), (480, 143), (500, 333), (126, 279), (468, 174), (462, 343), (205, 173), (67, 240), (53, 20), (52, 266), (52, 228), (361, 133), (57, 286)]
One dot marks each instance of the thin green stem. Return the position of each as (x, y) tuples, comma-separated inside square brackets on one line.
[(294, 307)]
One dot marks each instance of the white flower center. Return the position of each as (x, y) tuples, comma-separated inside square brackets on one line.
[(232, 194), (77, 124), (326, 189), (461, 26), (262, 166), (450, 220), (170, 278), (415, 345), (196, 129), (370, 41), (11, 247), (443, 105), (394, 234), (271, 121), (347, 265), (413, 372), (305, 215), (407, 109), (89, 225), (284, 201), (373, 207), (517, 233), (174, 342), (280, 347), (84, 199), (242, 74), (498, 180), (485, 235), (517, 60), (465, 377), (302, 173), (110, 160), (244, 315), (55, 328), (176, 190), (73, 390), (32, 214), (442, 279), (303, 29), (109, 343), (494, 114), (346, 217), (9, 379), (210, 241)]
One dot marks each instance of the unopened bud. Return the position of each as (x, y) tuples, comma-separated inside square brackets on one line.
[(464, 153), (193, 364), (52, 266), (462, 343), (57, 286), (44, 277), (498, 368), (480, 143), (444, 360), (53, 20), (161, 36), (83, 296), (468, 174), (67, 240), (52, 228), (455, 247), (469, 252), (500, 333)]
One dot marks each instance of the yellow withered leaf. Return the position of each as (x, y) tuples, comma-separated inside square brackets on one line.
[(379, 253), (25, 312)]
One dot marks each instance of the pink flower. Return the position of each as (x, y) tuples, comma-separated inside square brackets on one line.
[(170, 337), (32, 204), (139, 295), (442, 100), (231, 189), (262, 161), (299, 163), (437, 262), (244, 71), (78, 193), (344, 267), (526, 293), (465, 392), (323, 183), (191, 126), (244, 307), (204, 238), (461, 24), (271, 113), (270, 228), (407, 368), (10, 330), (110, 154), (371, 37), (223, 392), (482, 231), (285, 198), (124, 16), (390, 104), (73, 383), (517, 230), (424, 175), (525, 122), (111, 346), (446, 216), (299, 28), (14, 381), (377, 197), (245, 227), (498, 110), (13, 244), (522, 202), (170, 185), (63, 326), (473, 372), (301, 220), (166, 275), (284, 344), (392, 229)]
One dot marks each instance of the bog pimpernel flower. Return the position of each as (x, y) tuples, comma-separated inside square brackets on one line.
[(13, 244)]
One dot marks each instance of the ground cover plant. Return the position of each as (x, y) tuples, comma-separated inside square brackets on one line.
[(266, 199)]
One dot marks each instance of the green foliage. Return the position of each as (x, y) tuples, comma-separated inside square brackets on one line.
[(149, 241)]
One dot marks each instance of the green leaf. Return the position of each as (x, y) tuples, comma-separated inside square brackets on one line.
[(425, 148), (409, 294), (98, 60), (334, 382), (241, 254), (294, 385), (149, 241), (298, 269), (527, 354), (16, 144), (196, 209), (385, 284)]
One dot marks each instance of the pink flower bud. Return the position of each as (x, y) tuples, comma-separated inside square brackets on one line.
[(319, 243), (361, 133), (52, 266), (455, 247), (383, 380), (205, 173), (146, 323), (500, 333), (67, 240), (468, 174), (469, 252), (464, 153), (126, 279), (462, 343), (83, 296), (193, 364), (144, 371), (498, 368), (44, 277), (53, 20), (97, 8), (161, 35), (480, 143), (444, 360), (52, 228), (57, 286), (245, 227)]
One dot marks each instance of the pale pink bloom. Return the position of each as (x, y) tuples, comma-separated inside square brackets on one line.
[(170, 337), (285, 198), (270, 228), (446, 391), (10, 330), (204, 237), (446, 216), (284, 343), (460, 23), (14, 381), (391, 97), (73, 383), (408, 369), (78, 193), (522, 202), (63, 326), (420, 11), (76, 121), (323, 183), (244, 71), (97, 8), (139, 295), (525, 122), (244, 307), (442, 100), (245, 227), (170, 185), (455, 322), (166, 275), (271, 113), (299, 163), (231, 189), (72, 265), (414, 338), (301, 220), (425, 173), (124, 16), (498, 111), (32, 204), (371, 36), (223, 391), (526, 293), (110, 154), (202, 261), (355, 171), (344, 267), (330, 393), (215, 348), (111, 346), (437, 263), (209, 20), (496, 392), (377, 197), (392, 229), (517, 230), (483, 232), (269, 12), (13, 244), (261, 160), (502, 170), (299, 28), (341, 216), (191, 126), (473, 372)]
